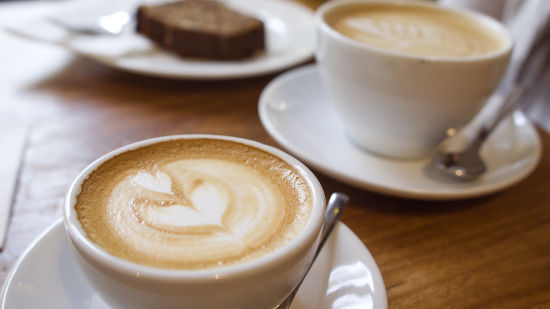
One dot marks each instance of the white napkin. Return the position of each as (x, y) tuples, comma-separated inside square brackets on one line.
[(12, 141)]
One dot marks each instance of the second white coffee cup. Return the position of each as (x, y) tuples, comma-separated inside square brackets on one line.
[(400, 104)]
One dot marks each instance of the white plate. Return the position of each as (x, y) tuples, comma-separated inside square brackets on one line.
[(289, 38), (46, 276), (296, 112)]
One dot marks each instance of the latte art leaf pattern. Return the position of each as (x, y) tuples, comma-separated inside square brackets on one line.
[(416, 36), (195, 201), (207, 206), (416, 30), (189, 210)]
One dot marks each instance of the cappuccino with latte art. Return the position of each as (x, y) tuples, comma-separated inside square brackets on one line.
[(193, 204)]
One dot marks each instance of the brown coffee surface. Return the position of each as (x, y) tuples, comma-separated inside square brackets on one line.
[(193, 204), (416, 30)]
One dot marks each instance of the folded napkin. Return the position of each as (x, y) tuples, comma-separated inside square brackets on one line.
[(12, 139)]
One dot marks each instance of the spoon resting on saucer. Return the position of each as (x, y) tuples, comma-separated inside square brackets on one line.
[(335, 206), (459, 154)]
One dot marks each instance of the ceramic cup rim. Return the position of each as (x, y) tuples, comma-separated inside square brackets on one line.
[(300, 243), (484, 20)]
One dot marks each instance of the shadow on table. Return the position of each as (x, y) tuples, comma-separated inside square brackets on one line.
[(386, 204), (81, 69), (120, 107)]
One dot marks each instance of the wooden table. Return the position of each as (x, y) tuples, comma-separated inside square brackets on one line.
[(491, 252)]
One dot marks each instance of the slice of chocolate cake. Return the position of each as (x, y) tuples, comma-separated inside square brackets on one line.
[(201, 28)]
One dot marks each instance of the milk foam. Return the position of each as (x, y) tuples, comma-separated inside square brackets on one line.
[(416, 30), (194, 210)]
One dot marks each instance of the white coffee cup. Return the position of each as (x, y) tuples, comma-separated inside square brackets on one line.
[(261, 283), (397, 104)]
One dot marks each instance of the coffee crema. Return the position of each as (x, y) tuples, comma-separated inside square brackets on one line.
[(416, 30), (193, 204)]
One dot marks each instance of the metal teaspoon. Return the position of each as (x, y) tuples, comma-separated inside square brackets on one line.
[(335, 205)]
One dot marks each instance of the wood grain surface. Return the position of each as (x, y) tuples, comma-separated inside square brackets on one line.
[(490, 252)]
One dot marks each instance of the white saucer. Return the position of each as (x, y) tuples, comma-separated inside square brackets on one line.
[(296, 112), (289, 37), (46, 276)]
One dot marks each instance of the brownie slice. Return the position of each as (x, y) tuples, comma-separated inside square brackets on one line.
[(201, 28)]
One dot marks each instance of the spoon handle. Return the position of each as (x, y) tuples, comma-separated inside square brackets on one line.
[(335, 206)]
